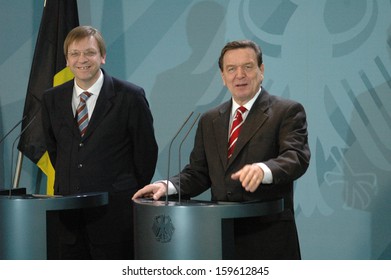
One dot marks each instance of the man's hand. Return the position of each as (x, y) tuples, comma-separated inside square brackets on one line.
[(251, 176), (154, 191)]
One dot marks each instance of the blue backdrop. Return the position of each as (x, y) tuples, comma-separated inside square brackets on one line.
[(331, 55)]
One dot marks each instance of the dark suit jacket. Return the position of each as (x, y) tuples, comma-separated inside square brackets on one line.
[(275, 133), (117, 154)]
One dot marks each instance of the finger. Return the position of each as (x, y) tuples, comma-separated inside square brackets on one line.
[(254, 183), (158, 193), (140, 193), (236, 175), (246, 176), (241, 174), (245, 181), (144, 192), (137, 195)]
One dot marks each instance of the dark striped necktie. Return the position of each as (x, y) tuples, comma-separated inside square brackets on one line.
[(82, 113)]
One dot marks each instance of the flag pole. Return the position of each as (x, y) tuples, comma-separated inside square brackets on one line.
[(19, 162), (58, 18)]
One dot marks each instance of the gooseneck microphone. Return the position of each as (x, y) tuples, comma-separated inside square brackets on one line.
[(169, 153), (13, 145), (12, 129), (179, 156)]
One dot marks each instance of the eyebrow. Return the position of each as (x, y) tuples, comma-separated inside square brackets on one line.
[(89, 49), (244, 64)]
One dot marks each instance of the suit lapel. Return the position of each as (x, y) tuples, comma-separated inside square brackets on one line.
[(64, 106), (220, 128), (103, 104)]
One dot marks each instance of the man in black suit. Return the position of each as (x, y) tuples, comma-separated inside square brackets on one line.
[(270, 153), (116, 153)]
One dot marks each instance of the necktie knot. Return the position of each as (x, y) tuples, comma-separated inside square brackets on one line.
[(84, 96), (240, 110)]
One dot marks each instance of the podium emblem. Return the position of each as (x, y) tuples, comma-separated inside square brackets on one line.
[(163, 228)]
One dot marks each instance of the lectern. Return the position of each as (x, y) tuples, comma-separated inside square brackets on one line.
[(23, 221), (191, 230)]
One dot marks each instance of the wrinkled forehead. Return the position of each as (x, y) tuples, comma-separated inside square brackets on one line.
[(239, 56)]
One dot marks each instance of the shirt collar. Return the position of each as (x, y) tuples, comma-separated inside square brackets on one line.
[(94, 89), (248, 105)]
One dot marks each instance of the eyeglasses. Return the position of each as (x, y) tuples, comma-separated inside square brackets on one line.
[(77, 54)]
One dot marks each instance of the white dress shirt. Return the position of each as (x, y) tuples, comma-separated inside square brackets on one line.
[(94, 90)]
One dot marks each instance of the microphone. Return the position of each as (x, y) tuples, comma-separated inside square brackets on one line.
[(169, 153), (13, 145), (12, 129), (179, 155)]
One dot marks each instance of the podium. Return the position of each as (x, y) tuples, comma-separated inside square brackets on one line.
[(191, 230), (23, 221)]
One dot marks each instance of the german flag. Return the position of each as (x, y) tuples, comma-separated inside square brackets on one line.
[(48, 69)]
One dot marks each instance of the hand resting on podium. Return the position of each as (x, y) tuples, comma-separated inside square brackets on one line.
[(155, 191), (250, 176)]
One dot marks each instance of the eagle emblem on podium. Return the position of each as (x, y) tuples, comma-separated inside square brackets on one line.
[(163, 228)]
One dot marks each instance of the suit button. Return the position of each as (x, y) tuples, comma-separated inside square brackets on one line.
[(229, 193), (79, 165), (81, 145)]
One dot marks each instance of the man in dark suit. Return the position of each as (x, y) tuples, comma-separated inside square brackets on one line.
[(270, 152), (114, 150)]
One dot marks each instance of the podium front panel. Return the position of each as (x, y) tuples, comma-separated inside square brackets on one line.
[(189, 230), (23, 222)]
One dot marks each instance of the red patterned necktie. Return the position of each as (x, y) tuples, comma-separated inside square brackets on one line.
[(82, 113), (236, 125)]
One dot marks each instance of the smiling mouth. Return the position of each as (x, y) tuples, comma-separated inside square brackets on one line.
[(241, 85), (83, 68)]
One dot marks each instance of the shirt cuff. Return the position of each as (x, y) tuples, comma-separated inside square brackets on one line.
[(267, 173), (171, 188)]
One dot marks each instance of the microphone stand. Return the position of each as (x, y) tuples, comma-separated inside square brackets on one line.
[(20, 157), (179, 155), (169, 154)]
